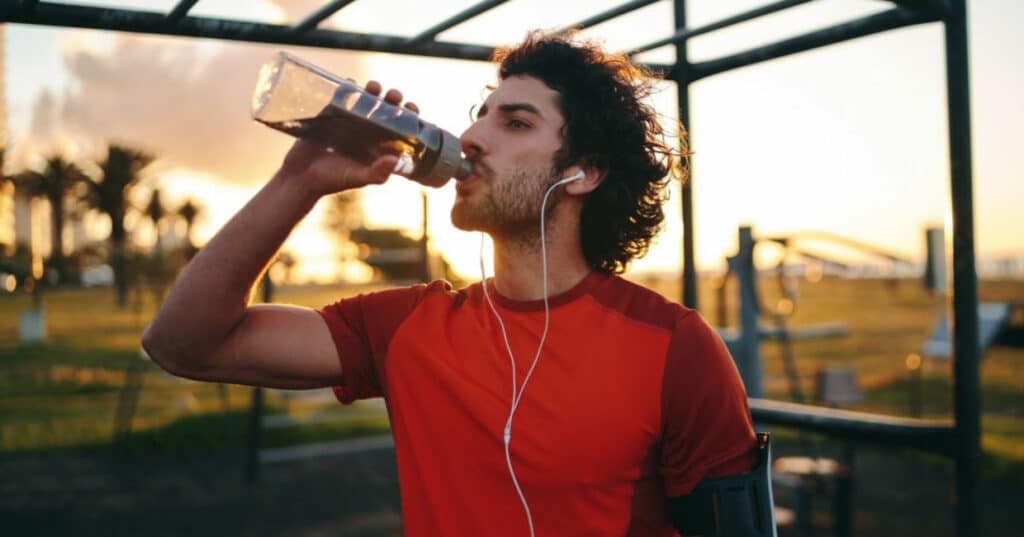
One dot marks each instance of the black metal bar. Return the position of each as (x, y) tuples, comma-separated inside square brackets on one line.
[(842, 507), (684, 34), (940, 5), (454, 20), (29, 6), (852, 243), (628, 7), (681, 75), (872, 24), (180, 11), (925, 435), (966, 355), (319, 15), (155, 23), (251, 470), (748, 351)]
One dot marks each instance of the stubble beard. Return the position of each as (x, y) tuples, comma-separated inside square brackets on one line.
[(510, 209)]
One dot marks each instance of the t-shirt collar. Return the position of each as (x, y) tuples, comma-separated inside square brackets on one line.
[(588, 283)]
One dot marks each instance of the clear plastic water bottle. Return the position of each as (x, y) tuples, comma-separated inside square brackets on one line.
[(303, 100)]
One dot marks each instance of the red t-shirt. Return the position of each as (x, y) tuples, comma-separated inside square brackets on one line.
[(634, 399)]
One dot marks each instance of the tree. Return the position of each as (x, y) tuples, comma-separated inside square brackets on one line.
[(344, 213), (119, 172), (155, 212), (190, 212), (59, 176)]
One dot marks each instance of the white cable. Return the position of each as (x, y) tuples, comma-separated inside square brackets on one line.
[(517, 395)]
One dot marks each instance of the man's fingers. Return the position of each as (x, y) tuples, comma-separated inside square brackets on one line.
[(393, 96), (381, 169)]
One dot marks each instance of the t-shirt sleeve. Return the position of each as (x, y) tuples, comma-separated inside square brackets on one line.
[(706, 425), (362, 328)]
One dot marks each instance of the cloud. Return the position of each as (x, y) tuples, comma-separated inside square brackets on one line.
[(182, 99)]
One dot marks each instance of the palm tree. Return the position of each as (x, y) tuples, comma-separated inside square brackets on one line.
[(58, 177), (189, 211), (155, 211), (119, 172)]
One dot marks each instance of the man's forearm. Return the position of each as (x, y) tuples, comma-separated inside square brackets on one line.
[(211, 295)]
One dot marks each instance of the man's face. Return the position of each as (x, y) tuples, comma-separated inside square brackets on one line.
[(512, 145)]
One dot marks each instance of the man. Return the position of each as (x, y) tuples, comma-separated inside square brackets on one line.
[(576, 404)]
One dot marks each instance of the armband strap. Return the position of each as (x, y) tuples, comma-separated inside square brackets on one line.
[(738, 505)]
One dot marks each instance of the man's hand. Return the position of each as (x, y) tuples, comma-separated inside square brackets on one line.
[(326, 172)]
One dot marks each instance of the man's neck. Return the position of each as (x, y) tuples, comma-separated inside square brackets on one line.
[(518, 264)]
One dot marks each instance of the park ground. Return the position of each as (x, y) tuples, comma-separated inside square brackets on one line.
[(180, 470)]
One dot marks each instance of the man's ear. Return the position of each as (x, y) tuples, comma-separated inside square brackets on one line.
[(591, 180)]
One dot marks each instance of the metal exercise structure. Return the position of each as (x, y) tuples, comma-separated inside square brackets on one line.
[(959, 440)]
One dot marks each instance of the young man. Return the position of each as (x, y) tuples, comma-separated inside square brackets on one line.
[(582, 414)]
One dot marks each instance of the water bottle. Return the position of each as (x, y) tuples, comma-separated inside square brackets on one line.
[(303, 100)]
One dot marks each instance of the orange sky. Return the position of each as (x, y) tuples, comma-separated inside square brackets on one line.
[(851, 138)]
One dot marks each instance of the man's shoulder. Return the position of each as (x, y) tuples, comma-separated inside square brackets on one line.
[(640, 303), (403, 297)]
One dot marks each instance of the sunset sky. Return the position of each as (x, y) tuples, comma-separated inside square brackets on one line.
[(849, 139)]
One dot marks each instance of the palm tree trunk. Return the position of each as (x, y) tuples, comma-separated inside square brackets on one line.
[(118, 258), (57, 237)]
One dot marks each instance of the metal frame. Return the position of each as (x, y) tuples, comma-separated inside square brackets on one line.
[(959, 440)]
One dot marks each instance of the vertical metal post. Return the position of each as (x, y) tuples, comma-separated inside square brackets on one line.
[(748, 359), (843, 506), (252, 455), (966, 378), (682, 79)]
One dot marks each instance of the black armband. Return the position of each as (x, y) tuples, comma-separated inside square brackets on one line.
[(729, 506)]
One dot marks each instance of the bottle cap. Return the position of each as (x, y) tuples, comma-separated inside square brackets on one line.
[(449, 162)]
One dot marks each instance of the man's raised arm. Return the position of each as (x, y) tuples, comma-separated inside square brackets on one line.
[(206, 328)]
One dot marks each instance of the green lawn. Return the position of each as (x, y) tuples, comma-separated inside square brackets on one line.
[(64, 394)]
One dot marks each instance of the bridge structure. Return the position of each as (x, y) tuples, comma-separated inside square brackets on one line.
[(959, 440)]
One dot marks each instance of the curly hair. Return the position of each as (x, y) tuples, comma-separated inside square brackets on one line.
[(609, 128)]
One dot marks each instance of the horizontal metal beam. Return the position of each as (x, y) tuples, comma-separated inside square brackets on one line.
[(155, 23), (834, 238), (872, 24), (180, 11), (122, 20), (684, 34), (926, 435), (628, 7), (940, 5), (319, 15), (454, 20)]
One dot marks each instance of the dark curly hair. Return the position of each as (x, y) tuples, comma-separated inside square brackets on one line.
[(607, 127)]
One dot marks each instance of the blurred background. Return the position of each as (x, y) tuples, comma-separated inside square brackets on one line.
[(123, 154)]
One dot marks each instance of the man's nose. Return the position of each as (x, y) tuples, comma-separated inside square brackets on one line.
[(472, 141)]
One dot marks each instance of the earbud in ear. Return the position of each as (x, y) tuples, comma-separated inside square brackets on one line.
[(576, 176), (579, 175)]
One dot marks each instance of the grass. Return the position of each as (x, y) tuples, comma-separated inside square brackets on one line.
[(888, 321), (63, 394)]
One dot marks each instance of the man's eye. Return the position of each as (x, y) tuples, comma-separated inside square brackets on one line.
[(518, 124)]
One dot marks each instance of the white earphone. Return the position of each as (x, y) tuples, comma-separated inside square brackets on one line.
[(517, 394), (574, 177)]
